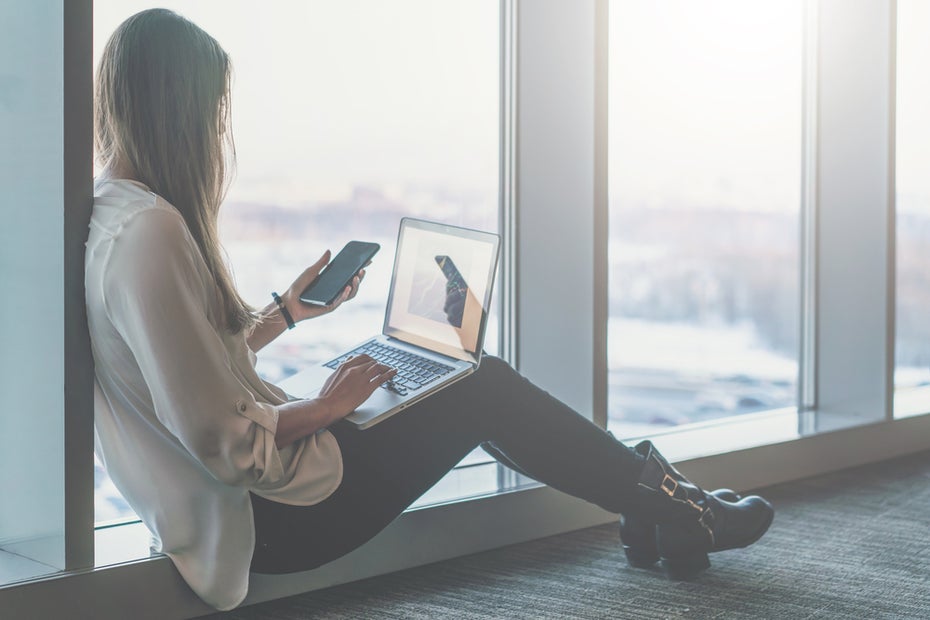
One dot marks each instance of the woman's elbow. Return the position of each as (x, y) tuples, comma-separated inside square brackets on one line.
[(235, 465)]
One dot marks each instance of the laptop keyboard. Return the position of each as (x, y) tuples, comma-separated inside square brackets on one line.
[(413, 371)]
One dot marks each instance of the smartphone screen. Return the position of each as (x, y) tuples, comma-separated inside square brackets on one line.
[(338, 273)]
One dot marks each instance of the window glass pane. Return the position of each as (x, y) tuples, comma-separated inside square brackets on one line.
[(912, 346), (347, 116), (31, 260), (704, 182)]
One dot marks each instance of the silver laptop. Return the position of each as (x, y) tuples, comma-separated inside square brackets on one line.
[(434, 323)]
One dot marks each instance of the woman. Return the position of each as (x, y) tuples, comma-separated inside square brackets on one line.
[(226, 472)]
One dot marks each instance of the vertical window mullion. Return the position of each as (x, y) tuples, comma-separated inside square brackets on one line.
[(854, 189), (891, 213), (507, 292), (807, 362), (556, 197), (78, 203), (600, 268)]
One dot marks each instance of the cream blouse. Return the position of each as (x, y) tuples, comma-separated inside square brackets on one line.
[(183, 424)]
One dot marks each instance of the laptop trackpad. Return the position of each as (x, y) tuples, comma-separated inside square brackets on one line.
[(307, 383), (379, 403)]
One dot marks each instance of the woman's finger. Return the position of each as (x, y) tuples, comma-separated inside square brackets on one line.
[(356, 281), (303, 281), (358, 360), (323, 260), (311, 272), (387, 375), (345, 295), (377, 369)]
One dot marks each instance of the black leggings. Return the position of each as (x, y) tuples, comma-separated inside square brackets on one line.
[(388, 466)]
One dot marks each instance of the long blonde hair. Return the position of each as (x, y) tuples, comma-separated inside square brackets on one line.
[(161, 109)]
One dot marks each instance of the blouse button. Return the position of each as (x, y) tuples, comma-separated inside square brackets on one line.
[(242, 407)]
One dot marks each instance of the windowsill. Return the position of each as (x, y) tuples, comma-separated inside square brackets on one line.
[(128, 540), (478, 476)]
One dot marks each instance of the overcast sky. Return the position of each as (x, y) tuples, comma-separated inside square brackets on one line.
[(705, 97), (330, 93)]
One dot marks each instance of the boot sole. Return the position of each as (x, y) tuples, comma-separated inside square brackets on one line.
[(640, 555), (686, 567), (640, 560)]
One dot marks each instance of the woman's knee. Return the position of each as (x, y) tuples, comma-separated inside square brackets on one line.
[(493, 368), (494, 378)]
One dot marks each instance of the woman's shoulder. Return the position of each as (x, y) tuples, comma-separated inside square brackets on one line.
[(153, 259), (145, 231), (140, 246), (125, 208), (118, 203), (114, 197)]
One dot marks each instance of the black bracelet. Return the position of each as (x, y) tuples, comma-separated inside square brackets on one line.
[(284, 311)]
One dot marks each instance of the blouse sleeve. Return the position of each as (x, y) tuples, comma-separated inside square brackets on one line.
[(157, 292)]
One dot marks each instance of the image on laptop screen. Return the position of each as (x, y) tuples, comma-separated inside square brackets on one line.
[(441, 292)]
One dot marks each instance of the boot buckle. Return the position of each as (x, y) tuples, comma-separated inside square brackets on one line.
[(669, 485), (706, 521), (707, 518)]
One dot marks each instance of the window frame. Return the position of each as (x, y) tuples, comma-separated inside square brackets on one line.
[(78, 115), (539, 174)]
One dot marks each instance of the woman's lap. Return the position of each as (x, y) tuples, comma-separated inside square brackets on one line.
[(388, 466), (385, 469)]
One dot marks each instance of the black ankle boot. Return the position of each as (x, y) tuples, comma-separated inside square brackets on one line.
[(690, 522), (638, 535)]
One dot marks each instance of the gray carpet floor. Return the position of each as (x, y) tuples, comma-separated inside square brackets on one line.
[(854, 544)]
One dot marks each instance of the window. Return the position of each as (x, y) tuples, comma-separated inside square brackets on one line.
[(32, 368), (318, 165), (912, 344), (704, 202)]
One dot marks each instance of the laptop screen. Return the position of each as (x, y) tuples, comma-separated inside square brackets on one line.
[(441, 287)]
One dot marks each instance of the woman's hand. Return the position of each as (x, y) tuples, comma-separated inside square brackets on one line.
[(346, 389), (273, 323), (352, 383), (300, 310)]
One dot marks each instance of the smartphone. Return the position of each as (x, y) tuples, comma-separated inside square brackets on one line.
[(338, 274)]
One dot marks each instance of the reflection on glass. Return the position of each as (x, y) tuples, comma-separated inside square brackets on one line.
[(704, 174), (347, 117), (912, 345), (460, 302), (456, 291), (431, 305), (433, 295)]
